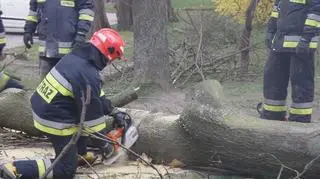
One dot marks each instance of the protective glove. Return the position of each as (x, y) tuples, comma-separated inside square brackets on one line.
[(303, 46), (90, 157), (269, 39), (27, 37), (78, 41), (121, 119)]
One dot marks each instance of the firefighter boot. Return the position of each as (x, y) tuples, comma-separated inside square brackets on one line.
[(89, 157), (8, 171)]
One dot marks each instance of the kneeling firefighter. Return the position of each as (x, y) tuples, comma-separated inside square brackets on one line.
[(57, 105)]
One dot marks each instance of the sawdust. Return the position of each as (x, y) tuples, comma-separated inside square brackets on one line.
[(121, 169)]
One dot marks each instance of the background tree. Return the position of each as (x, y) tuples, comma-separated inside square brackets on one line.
[(100, 17), (247, 12), (151, 59), (124, 14)]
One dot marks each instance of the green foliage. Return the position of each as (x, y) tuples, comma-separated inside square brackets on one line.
[(190, 3)]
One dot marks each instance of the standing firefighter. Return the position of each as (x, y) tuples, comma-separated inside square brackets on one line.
[(57, 105), (61, 25), (292, 38)]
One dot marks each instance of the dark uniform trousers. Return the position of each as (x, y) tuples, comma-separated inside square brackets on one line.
[(281, 68)]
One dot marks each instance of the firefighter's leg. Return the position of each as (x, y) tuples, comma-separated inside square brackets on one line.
[(13, 84), (276, 79), (302, 81), (64, 169), (46, 64)]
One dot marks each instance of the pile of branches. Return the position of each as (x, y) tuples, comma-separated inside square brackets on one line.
[(209, 47)]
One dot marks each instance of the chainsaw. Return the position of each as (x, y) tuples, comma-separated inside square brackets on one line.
[(119, 138)]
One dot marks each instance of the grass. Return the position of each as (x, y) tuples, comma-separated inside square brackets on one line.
[(175, 3), (190, 3)]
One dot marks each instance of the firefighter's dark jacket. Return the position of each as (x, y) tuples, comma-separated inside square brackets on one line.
[(293, 19), (2, 33), (59, 23), (56, 103)]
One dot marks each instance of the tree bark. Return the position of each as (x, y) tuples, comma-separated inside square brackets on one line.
[(16, 113), (100, 17), (209, 134), (171, 15), (245, 38), (124, 14), (151, 59)]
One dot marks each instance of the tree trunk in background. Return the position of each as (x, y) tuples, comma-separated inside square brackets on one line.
[(171, 15), (124, 14), (100, 17), (150, 41), (245, 38)]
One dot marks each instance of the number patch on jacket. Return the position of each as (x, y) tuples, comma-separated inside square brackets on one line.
[(46, 91), (67, 3)]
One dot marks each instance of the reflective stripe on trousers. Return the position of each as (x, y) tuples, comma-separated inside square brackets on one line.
[(292, 41), (313, 20), (43, 166), (64, 129), (301, 108), (274, 105), (86, 14)]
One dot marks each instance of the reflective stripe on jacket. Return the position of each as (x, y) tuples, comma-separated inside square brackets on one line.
[(56, 103), (296, 19), (59, 23)]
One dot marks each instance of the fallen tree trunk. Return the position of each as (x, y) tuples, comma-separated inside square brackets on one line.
[(16, 113), (211, 134)]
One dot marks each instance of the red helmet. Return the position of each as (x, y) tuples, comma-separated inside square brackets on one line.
[(109, 42)]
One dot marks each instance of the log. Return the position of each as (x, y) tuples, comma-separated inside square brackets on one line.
[(16, 113), (210, 134)]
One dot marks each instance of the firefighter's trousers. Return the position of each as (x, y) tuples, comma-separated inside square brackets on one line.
[(279, 69)]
